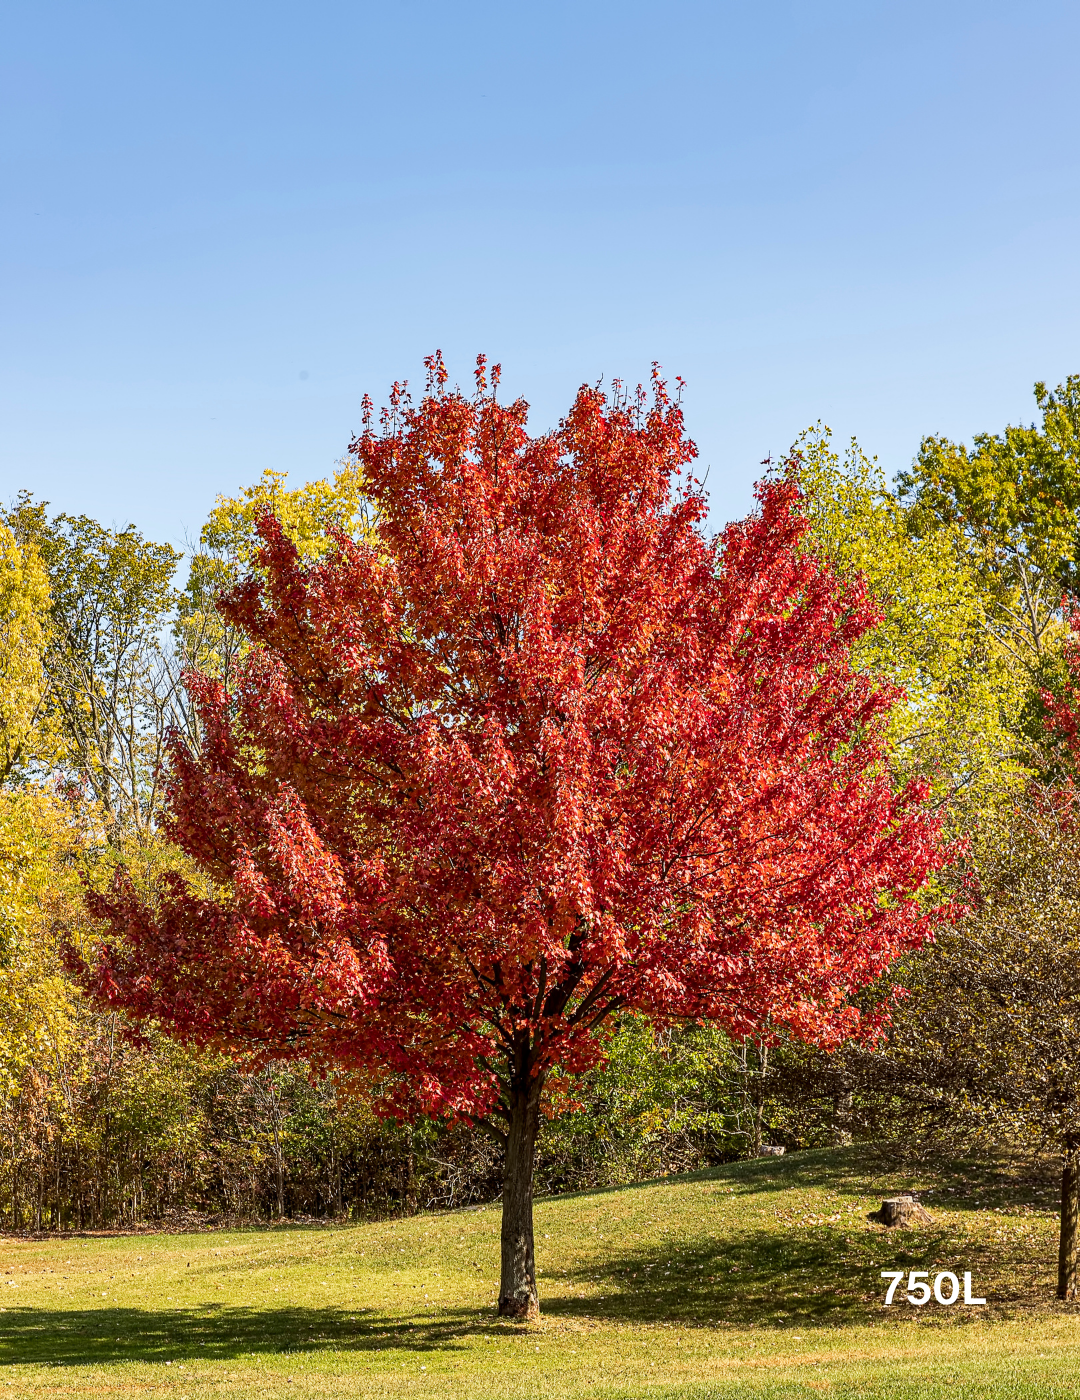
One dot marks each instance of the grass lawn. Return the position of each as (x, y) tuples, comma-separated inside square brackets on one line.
[(757, 1279)]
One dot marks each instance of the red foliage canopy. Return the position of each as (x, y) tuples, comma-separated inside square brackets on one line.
[(538, 752)]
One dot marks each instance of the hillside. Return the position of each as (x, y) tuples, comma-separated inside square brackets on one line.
[(760, 1278)]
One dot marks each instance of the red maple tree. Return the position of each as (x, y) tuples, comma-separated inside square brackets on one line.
[(538, 753)]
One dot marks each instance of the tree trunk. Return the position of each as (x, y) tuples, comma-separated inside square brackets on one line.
[(517, 1288), (1070, 1217), (759, 1096), (842, 1106)]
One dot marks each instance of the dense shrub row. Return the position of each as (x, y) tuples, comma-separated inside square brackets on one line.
[(127, 1133)]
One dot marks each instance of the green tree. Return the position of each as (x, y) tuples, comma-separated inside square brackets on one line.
[(959, 722), (986, 1039), (665, 1099), (113, 683), (1014, 499)]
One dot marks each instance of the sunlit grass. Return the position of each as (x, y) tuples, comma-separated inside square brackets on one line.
[(758, 1279)]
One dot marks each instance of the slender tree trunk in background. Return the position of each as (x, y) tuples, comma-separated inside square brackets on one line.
[(1068, 1279), (517, 1288), (758, 1095), (268, 1095), (755, 1150), (842, 1106), (410, 1180), (752, 1090), (279, 1162)]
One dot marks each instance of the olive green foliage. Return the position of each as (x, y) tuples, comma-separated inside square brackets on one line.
[(980, 1044), (987, 1036), (959, 717), (1014, 497), (663, 1101)]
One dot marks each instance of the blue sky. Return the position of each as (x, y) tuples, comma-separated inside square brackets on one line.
[(863, 213)]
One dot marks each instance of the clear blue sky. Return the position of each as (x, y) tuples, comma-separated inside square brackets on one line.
[(865, 213)]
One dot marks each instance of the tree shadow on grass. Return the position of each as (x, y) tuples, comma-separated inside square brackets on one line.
[(808, 1271), (807, 1274), (757, 1278), (769, 1280), (74, 1337)]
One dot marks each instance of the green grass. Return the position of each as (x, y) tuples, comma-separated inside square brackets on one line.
[(758, 1279)]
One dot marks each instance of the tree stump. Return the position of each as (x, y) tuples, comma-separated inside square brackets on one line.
[(903, 1212)]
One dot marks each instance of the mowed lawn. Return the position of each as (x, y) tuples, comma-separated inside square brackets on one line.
[(757, 1279)]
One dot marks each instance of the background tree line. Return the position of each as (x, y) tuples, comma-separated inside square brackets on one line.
[(973, 555)]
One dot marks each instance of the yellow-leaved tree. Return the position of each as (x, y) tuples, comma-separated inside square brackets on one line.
[(960, 722), (39, 856), (227, 544), (24, 614), (36, 834)]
